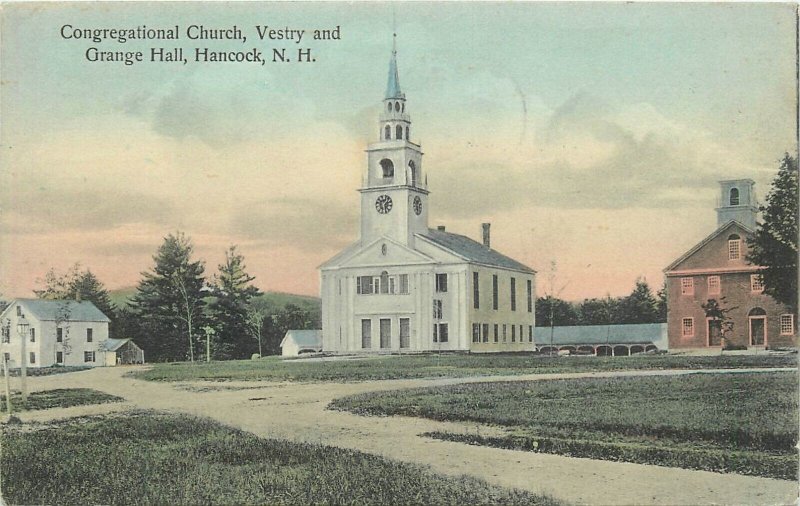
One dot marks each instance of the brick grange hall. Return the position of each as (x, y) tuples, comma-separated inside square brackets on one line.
[(717, 268), (405, 287)]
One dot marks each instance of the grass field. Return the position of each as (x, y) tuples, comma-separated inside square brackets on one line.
[(59, 398), (744, 422), (448, 365), (49, 371), (156, 458)]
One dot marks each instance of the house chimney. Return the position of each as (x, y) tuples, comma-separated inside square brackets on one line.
[(486, 237), (440, 228)]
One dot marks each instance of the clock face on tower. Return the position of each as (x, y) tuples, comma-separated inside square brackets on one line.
[(417, 206), (383, 204)]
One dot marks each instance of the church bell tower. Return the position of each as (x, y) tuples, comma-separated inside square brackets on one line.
[(394, 195)]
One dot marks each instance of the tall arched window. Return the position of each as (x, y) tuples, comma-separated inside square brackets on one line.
[(397, 106), (734, 247), (734, 197), (384, 282), (389, 107), (408, 136), (387, 132), (413, 170), (388, 167), (399, 132)]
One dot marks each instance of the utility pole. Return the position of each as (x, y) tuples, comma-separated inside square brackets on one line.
[(22, 329), (9, 409)]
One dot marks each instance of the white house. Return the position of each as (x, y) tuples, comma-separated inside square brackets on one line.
[(64, 332), (296, 342), (406, 287)]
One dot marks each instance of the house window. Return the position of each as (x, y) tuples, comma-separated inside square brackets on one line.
[(734, 200), (32, 357), (505, 334), (494, 291), (88, 356), (19, 310), (33, 334), (59, 357), (59, 335), (405, 334), (687, 327), (476, 291), (441, 283), (476, 332), (513, 333), (513, 294), (687, 286), (404, 283), (756, 283), (713, 285), (437, 309), (530, 296), (88, 335), (787, 324), (734, 247), (496, 332), (485, 332), (366, 333), (6, 332)]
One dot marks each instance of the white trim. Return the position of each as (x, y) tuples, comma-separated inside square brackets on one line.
[(718, 286), (791, 319), (687, 288), (716, 270), (683, 327), (756, 279)]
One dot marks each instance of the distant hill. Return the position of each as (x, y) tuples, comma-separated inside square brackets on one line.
[(277, 300)]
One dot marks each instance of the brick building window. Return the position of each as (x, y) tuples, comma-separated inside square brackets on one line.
[(713, 285), (687, 327), (687, 286), (734, 247), (787, 324), (756, 283)]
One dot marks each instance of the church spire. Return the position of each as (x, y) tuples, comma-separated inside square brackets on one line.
[(393, 85)]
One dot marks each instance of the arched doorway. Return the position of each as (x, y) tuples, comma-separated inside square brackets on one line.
[(758, 326)]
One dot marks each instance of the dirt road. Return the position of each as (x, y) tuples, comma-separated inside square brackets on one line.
[(298, 412)]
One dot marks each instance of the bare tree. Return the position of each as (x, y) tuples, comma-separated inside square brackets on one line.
[(255, 323)]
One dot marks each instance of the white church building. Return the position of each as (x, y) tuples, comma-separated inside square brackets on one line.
[(405, 287)]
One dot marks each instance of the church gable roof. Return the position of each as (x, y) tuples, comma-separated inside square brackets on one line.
[(382, 251), (703, 246), (473, 251)]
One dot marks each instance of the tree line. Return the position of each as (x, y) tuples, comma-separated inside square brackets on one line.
[(179, 313)]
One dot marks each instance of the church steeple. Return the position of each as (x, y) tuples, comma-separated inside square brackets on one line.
[(393, 84)]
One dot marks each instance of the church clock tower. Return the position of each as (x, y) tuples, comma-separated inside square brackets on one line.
[(394, 196)]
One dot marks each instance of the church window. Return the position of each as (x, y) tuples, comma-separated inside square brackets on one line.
[(485, 332), (33, 357), (476, 332), (787, 324), (59, 335), (441, 283), (403, 284), (437, 309), (734, 197), (397, 106), (403, 107), (687, 286), (364, 285), (443, 333), (713, 285), (407, 135), (505, 334), (476, 291), (687, 327), (387, 168), (384, 282), (513, 294), (496, 333), (366, 333), (389, 107), (413, 168), (734, 247), (494, 291), (33, 335), (399, 132), (405, 333), (756, 283), (530, 296), (387, 132), (513, 333)]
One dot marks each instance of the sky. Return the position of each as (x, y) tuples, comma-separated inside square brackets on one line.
[(591, 135)]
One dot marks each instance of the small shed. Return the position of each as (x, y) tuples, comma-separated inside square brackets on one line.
[(627, 339), (122, 352), (296, 342)]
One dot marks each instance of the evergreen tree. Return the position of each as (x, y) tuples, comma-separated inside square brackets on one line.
[(599, 311), (640, 306), (774, 245), (558, 311), (232, 291), (76, 284), (661, 303), (169, 302)]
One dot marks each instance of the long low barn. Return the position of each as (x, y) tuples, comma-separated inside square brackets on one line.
[(603, 340)]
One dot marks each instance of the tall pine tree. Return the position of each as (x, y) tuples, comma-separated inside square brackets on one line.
[(76, 283), (169, 302), (774, 245), (232, 291)]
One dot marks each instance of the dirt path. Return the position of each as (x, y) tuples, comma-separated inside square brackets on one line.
[(297, 412)]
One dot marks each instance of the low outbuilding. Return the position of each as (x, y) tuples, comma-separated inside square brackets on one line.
[(122, 352), (296, 342), (603, 339)]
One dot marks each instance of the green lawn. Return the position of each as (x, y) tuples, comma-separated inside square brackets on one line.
[(59, 398), (448, 365), (744, 422), (157, 458)]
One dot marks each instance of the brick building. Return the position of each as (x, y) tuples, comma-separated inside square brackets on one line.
[(716, 268)]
